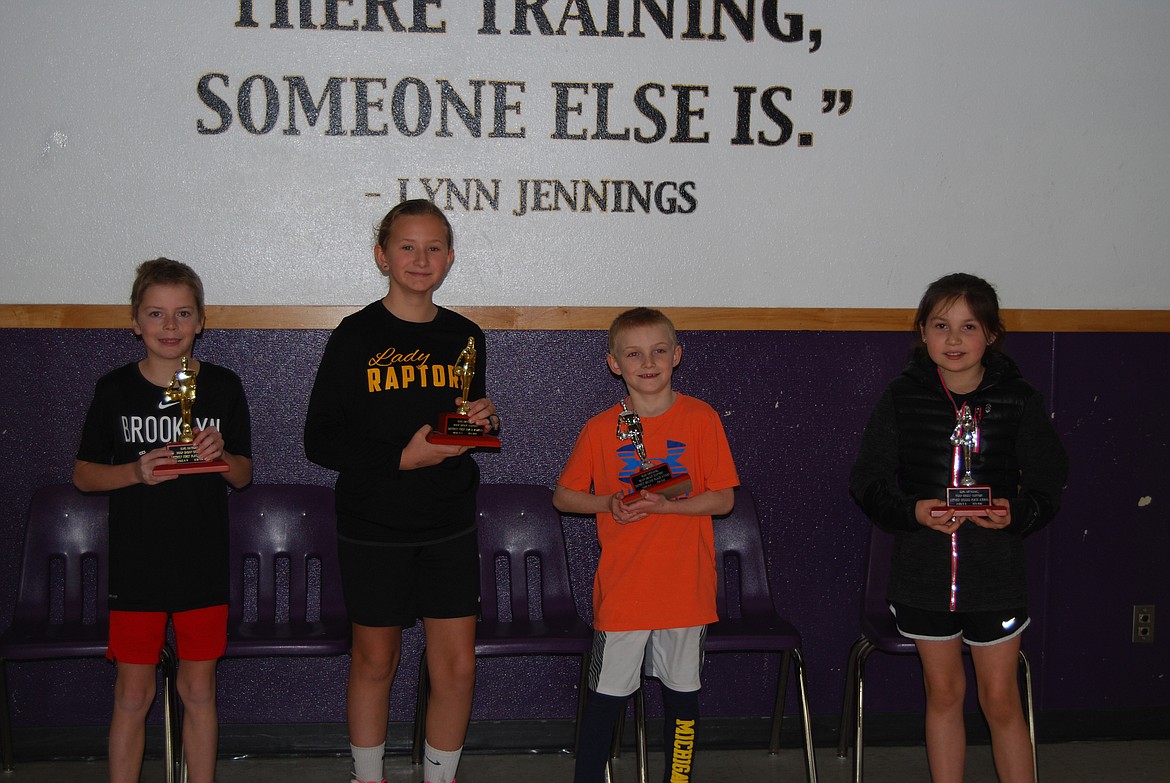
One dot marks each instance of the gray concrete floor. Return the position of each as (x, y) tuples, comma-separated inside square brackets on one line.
[(1070, 762)]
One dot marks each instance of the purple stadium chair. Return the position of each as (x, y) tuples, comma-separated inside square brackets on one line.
[(530, 610), (748, 621), (754, 625), (285, 597), (879, 632), (62, 606)]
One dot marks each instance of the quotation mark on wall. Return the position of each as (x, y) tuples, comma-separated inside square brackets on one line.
[(831, 97)]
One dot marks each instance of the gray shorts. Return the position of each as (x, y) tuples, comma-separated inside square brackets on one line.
[(674, 656)]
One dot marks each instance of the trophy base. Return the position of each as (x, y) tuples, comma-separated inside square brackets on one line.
[(187, 461), (456, 429), (658, 480), (206, 466), (967, 499)]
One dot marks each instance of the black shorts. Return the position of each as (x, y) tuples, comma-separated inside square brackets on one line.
[(393, 585), (976, 628)]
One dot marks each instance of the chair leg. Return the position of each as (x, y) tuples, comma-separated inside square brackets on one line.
[(5, 719), (1026, 669), (848, 702), (859, 712), (805, 717), (172, 729), (420, 710), (582, 692), (778, 708), (615, 751), (640, 732), (639, 735)]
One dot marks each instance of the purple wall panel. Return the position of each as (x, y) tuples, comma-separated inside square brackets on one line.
[(794, 405), (1108, 549)]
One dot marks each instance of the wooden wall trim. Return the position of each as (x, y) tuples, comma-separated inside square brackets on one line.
[(838, 319)]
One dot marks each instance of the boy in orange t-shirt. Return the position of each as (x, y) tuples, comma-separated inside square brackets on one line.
[(654, 590)]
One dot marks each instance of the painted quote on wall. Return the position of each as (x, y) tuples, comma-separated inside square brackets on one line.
[(498, 109)]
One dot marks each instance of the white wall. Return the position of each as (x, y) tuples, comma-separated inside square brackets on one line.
[(1028, 142)]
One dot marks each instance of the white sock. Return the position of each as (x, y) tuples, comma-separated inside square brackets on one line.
[(367, 763), (439, 765)]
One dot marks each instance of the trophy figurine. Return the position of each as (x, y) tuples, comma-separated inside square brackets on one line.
[(966, 494), (456, 429), (183, 451), (652, 477)]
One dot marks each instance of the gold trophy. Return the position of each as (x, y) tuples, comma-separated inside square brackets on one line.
[(966, 494), (183, 451), (652, 477), (456, 429)]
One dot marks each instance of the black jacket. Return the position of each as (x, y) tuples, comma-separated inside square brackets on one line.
[(905, 456)]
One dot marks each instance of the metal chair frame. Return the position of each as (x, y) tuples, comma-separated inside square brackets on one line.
[(879, 632)]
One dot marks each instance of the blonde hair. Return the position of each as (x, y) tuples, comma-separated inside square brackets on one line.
[(414, 206), (638, 317), (164, 271)]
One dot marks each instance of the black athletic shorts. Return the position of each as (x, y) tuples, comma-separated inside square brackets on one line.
[(976, 628), (392, 584)]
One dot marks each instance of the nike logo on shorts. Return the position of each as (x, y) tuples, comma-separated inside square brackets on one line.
[(1008, 624)]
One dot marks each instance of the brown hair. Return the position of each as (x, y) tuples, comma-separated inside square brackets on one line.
[(164, 271), (980, 297), (414, 206), (639, 316)]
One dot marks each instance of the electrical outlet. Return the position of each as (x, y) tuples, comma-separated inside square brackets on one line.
[(1143, 623)]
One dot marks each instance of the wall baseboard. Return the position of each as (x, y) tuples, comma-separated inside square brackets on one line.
[(556, 736)]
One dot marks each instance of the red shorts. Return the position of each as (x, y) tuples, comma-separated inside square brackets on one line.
[(137, 637)]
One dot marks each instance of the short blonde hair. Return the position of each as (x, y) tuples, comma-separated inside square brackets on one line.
[(164, 271), (639, 316)]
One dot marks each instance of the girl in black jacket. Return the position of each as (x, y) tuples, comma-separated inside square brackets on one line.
[(960, 410)]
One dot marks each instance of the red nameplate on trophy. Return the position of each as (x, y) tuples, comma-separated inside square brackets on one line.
[(659, 480), (456, 429), (186, 460)]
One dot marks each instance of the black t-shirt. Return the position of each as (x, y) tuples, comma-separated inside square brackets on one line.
[(380, 380), (168, 542)]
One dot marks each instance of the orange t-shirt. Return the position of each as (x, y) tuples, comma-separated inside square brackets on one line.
[(658, 572)]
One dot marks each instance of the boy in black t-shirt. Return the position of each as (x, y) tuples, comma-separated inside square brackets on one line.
[(168, 532)]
